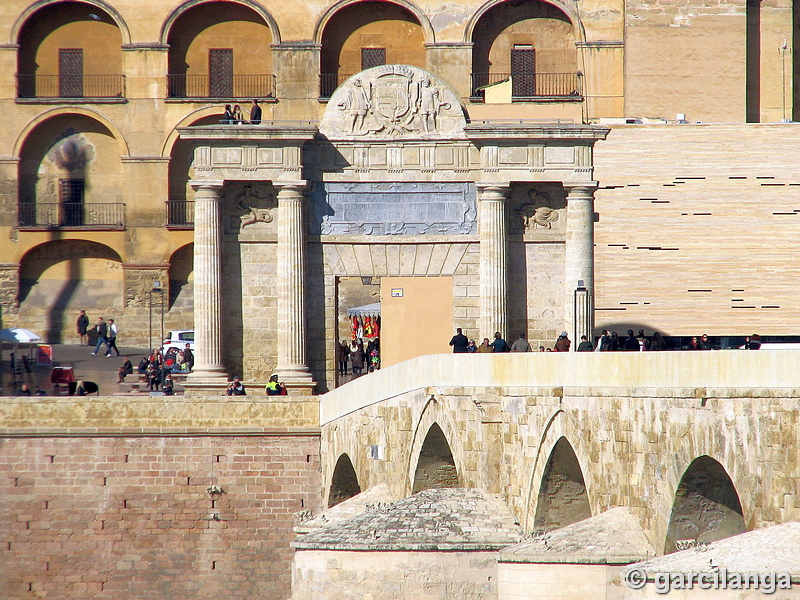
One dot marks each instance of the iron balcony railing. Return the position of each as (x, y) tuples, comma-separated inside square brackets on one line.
[(221, 86), (70, 86), (180, 213), (328, 82), (538, 86), (72, 214)]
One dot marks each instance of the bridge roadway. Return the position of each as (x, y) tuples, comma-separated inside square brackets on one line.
[(636, 423)]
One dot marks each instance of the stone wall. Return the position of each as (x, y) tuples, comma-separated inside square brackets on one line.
[(111, 498), (697, 229), (324, 575)]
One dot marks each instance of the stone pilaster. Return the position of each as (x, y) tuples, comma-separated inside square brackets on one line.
[(291, 367), (579, 262), (493, 258), (208, 371)]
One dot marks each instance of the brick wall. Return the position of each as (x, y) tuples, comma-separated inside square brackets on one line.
[(131, 517)]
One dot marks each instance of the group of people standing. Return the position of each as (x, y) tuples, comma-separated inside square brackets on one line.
[(359, 356), (234, 116), (106, 333), (461, 344)]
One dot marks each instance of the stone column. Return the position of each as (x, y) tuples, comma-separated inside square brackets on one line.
[(579, 262), (208, 370), (493, 251), (291, 367)]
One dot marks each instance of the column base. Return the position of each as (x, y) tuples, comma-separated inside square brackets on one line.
[(297, 379), (206, 381)]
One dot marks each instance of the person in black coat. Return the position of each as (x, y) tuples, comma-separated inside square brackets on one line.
[(459, 342)]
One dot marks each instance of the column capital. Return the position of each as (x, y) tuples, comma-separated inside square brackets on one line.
[(200, 184), (298, 186), (583, 190), (492, 191)]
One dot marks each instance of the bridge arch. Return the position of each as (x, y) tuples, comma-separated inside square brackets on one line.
[(706, 505), (562, 498), (435, 442), (344, 481)]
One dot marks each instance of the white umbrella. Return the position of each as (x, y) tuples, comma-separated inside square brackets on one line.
[(18, 335)]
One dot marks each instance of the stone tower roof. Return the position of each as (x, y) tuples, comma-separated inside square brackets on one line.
[(770, 550), (612, 537), (435, 519)]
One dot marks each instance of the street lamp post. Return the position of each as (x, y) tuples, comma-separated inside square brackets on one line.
[(160, 291)]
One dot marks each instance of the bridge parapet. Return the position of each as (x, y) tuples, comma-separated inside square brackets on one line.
[(651, 373)]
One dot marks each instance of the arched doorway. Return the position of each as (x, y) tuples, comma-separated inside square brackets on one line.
[(562, 495), (706, 507), (531, 45), (344, 483), (368, 34), (220, 50), (435, 466), (70, 50)]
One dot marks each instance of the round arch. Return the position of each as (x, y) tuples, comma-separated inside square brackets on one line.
[(31, 125), (196, 115), (104, 6), (96, 249), (179, 10), (422, 18), (433, 413), (559, 4)]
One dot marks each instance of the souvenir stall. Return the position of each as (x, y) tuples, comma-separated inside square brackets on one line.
[(365, 328)]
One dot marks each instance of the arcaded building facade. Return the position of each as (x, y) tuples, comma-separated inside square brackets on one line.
[(502, 166)]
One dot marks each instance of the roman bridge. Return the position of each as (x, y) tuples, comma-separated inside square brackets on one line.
[(699, 445)]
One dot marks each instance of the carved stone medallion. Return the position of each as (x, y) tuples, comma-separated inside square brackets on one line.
[(393, 101)]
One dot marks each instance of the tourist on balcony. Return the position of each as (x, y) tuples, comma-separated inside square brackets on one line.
[(255, 113), (227, 118), (585, 345), (705, 343), (499, 344), (485, 346), (459, 342), (83, 328), (631, 344), (238, 118), (521, 345), (563, 343), (472, 348), (236, 388)]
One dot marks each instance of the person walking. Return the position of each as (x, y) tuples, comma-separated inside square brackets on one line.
[(83, 328), (459, 342), (521, 345), (343, 355), (111, 340), (102, 333)]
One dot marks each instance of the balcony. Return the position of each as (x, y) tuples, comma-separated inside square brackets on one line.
[(328, 82), (539, 87), (225, 87), (67, 215), (180, 214), (70, 86)]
